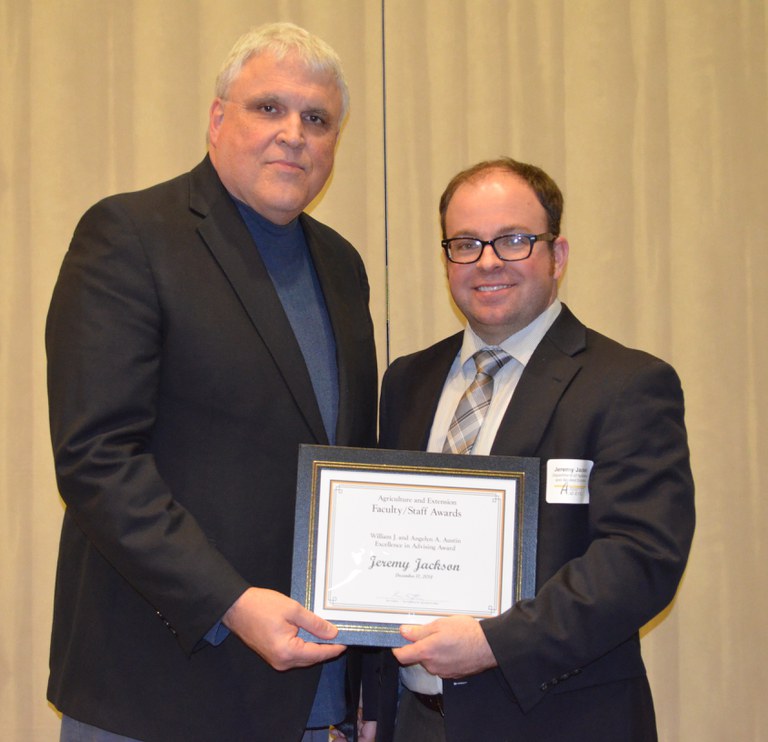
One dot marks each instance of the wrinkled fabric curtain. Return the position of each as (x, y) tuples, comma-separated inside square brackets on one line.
[(653, 118)]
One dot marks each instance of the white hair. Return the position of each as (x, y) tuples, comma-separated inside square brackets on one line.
[(281, 39)]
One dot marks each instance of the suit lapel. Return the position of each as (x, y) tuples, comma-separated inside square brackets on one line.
[(545, 379), (231, 245)]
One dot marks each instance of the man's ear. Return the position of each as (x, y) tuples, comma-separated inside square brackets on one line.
[(560, 249), (215, 117)]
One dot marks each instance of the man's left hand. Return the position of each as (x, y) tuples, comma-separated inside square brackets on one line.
[(450, 647)]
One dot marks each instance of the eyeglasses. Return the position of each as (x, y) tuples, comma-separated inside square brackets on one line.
[(508, 247)]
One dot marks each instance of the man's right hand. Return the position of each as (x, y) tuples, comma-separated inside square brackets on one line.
[(269, 622)]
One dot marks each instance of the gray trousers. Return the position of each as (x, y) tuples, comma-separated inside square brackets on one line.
[(76, 731)]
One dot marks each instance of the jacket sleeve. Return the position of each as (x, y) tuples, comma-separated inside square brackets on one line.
[(639, 529), (104, 338)]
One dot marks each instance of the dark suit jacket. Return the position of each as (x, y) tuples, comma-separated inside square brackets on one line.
[(603, 569), (178, 400)]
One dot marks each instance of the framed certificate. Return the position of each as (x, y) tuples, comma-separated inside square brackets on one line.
[(385, 538)]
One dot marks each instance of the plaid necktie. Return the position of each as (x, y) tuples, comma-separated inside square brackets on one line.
[(470, 413)]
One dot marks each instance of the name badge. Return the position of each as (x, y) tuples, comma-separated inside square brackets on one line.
[(568, 481)]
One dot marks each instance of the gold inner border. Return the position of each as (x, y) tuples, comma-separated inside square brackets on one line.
[(319, 465)]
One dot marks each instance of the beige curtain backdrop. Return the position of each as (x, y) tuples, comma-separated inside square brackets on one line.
[(651, 114)]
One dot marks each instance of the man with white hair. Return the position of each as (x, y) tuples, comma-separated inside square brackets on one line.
[(199, 332)]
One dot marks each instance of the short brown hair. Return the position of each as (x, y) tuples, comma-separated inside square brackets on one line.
[(546, 190)]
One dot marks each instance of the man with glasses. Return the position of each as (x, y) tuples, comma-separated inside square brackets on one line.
[(526, 378)]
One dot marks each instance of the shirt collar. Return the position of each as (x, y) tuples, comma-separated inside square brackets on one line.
[(520, 345)]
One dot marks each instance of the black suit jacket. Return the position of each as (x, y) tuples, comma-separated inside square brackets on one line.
[(603, 569), (178, 400)]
